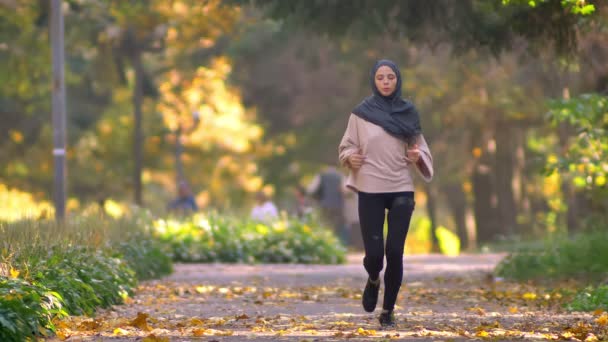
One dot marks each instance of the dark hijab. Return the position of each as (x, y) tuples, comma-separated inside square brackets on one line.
[(396, 116)]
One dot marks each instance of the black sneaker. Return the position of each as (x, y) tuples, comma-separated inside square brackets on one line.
[(370, 295), (387, 319)]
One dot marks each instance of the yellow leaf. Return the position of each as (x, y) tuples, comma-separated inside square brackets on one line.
[(141, 322), (529, 296), (598, 312), (364, 332), (602, 320), (61, 325), (14, 273), (154, 338), (62, 335), (482, 333), (120, 332), (513, 309), (477, 310), (196, 321), (566, 335), (199, 332), (223, 333), (88, 325)]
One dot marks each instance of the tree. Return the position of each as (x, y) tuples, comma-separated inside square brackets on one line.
[(466, 24)]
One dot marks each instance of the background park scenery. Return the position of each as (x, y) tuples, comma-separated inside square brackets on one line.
[(234, 99)]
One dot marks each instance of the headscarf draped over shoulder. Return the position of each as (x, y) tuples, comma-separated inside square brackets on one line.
[(394, 114)]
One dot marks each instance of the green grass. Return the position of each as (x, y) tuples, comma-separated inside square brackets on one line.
[(584, 256), (589, 299)]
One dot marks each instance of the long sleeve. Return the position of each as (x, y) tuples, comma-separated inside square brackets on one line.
[(350, 141), (424, 166)]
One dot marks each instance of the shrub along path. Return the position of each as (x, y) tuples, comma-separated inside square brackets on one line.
[(443, 299)]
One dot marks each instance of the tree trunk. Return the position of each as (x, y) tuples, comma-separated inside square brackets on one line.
[(179, 149), (505, 148), (457, 203), (431, 208), (522, 201), (485, 207), (138, 136)]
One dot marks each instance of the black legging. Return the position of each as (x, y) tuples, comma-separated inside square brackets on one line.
[(372, 208)]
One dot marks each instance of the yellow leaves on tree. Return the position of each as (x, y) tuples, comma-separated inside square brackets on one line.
[(225, 133), (223, 119)]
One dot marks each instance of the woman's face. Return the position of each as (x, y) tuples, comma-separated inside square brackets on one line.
[(386, 80)]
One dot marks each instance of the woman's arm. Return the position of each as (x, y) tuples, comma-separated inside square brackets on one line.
[(425, 162), (350, 141)]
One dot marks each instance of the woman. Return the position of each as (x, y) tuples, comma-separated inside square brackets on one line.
[(382, 144)]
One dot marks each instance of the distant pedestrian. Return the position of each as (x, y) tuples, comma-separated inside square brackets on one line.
[(382, 146), (327, 188), (302, 205), (264, 210), (185, 202), (351, 219)]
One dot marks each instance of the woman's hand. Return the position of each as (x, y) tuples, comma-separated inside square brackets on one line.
[(413, 154), (355, 160)]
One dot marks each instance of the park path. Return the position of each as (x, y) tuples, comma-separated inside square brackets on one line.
[(443, 298)]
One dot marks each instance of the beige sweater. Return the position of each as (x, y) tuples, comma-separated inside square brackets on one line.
[(386, 167)]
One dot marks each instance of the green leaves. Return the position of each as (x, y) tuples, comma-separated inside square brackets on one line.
[(586, 155), (229, 239), (583, 256), (591, 298), (580, 7), (86, 265), (27, 309)]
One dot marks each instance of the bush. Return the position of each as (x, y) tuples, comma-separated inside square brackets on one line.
[(583, 256), (217, 238), (85, 278), (589, 299), (26, 309), (49, 269)]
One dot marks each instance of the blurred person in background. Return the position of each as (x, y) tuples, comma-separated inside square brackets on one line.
[(185, 202), (327, 188), (264, 210), (351, 219)]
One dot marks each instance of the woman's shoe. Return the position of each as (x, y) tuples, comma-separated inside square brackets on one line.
[(387, 318), (370, 295)]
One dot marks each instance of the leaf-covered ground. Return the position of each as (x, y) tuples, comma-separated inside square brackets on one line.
[(443, 298)]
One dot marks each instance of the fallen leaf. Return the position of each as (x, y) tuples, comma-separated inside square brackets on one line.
[(243, 316), (120, 332), (154, 338), (529, 296), (602, 320), (365, 332), (141, 322), (199, 332), (89, 325), (482, 333), (62, 335)]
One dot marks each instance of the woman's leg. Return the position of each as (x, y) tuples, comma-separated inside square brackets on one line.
[(371, 218), (399, 216)]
